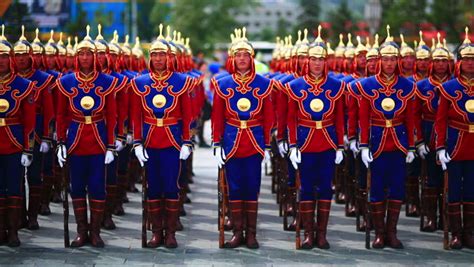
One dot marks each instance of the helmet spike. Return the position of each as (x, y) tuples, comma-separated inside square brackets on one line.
[(22, 37), (299, 36), (466, 36)]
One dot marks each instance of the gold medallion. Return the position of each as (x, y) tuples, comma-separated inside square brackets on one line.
[(4, 105), (470, 106), (388, 104), (316, 105), (159, 100), (243, 104), (87, 102)]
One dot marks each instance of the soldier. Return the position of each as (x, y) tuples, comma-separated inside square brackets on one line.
[(161, 117), (86, 111), (242, 118), (407, 58), (316, 129), (17, 130), (454, 129), (387, 124), (44, 123)]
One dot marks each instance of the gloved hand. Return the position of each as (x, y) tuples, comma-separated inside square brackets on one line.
[(443, 158), (185, 152), (129, 139), (283, 148), (219, 156), (140, 153), (109, 157), (410, 157), (119, 145), (295, 157), (267, 158), (44, 147), (423, 150), (339, 157), (366, 156), (26, 160), (354, 146), (62, 155)]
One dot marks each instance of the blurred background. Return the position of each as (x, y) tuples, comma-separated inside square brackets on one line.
[(209, 22)]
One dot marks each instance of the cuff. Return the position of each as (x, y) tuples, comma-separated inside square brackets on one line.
[(419, 143), (362, 145), (440, 148), (188, 143), (268, 147), (340, 147), (47, 139), (293, 145), (28, 152), (111, 147), (216, 144), (121, 138)]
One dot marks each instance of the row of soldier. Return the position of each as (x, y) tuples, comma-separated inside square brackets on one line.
[(74, 105)]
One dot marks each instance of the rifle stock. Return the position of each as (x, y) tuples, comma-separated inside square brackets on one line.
[(144, 207), (445, 213), (221, 206), (298, 213), (65, 182), (368, 222)]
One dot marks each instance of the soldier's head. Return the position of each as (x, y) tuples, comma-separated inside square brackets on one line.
[(51, 60), (302, 53), (86, 54), (465, 65), (243, 53), (23, 53), (160, 53), (102, 49), (372, 57), (6, 51), (389, 53), (440, 60), (360, 53), (62, 52), (70, 54), (407, 56), (317, 56), (423, 56), (115, 52), (38, 51)]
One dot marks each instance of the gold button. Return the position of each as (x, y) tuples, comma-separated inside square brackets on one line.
[(388, 104), (159, 122), (87, 102), (243, 124), (319, 125), (316, 105), (4, 105), (2, 122), (243, 104), (388, 123), (88, 120), (470, 106), (159, 100), (471, 128)]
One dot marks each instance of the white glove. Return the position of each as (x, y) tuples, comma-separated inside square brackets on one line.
[(129, 139), (423, 150), (295, 157), (109, 157), (366, 156), (185, 152), (410, 157), (339, 156), (44, 147), (267, 158), (354, 146), (444, 158), (119, 145), (283, 148), (140, 153), (26, 160), (62, 155), (220, 156)]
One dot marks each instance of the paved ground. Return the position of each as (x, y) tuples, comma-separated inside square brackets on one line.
[(198, 243)]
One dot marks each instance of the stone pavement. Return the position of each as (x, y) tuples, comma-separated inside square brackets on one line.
[(198, 242)]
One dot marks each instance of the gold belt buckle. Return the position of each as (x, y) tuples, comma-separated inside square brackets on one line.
[(88, 119), (471, 128), (243, 124), (388, 124), (3, 122), (159, 122), (319, 125)]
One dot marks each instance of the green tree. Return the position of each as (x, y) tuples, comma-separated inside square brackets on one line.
[(403, 16), (77, 26), (159, 12), (309, 17), (448, 15), (341, 20), (15, 16)]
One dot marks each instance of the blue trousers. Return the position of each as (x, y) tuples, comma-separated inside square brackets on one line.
[(11, 180), (388, 171), (461, 181), (435, 172), (123, 159), (35, 171), (244, 176), (362, 172), (111, 178), (162, 173), (317, 172), (87, 176)]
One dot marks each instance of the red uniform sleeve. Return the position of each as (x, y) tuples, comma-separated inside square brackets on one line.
[(136, 117), (122, 99), (62, 114), (292, 120), (217, 119), (48, 112), (417, 111), (28, 111), (282, 115), (441, 123), (111, 119), (340, 122), (186, 113), (268, 119), (364, 125), (410, 123)]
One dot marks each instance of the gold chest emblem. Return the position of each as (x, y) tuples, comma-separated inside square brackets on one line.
[(388, 104), (87, 102), (159, 100), (316, 105), (4, 105), (470, 106), (243, 104)]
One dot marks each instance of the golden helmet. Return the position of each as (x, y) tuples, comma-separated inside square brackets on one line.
[(339, 52), (329, 49), (374, 50), (289, 47), (50, 48), (160, 44), (294, 49), (137, 50), (350, 48), (242, 43), (5, 46), (302, 49), (114, 47), (389, 47), (87, 43), (467, 48), (439, 52), (100, 43), (422, 50), (188, 46), (318, 47), (360, 47), (126, 49), (169, 40), (22, 46), (36, 45), (61, 48), (405, 49), (69, 48)]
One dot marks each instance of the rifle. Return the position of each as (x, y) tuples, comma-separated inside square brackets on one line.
[(357, 187), (297, 211), (222, 209), (65, 191), (369, 212), (144, 207), (445, 213), (424, 180)]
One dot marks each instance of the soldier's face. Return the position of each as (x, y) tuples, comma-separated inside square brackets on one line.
[(158, 61), (440, 66), (102, 59), (408, 62), (70, 62), (113, 57), (242, 61), (316, 65), (422, 64), (23, 61), (467, 66), (62, 60), (4, 63), (38, 59), (86, 59), (302, 61), (361, 61), (389, 64), (372, 66)]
